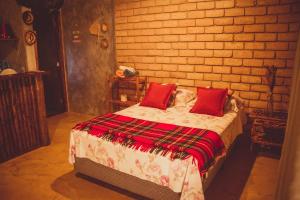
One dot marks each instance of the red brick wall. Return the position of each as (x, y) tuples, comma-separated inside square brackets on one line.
[(222, 43)]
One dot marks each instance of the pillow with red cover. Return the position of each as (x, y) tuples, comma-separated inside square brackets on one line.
[(210, 101), (158, 95)]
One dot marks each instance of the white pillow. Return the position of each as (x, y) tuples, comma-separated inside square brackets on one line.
[(183, 96)]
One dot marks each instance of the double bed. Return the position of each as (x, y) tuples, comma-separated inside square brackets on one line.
[(148, 174)]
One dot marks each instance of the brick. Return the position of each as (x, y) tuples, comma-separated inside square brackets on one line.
[(264, 54), (233, 29), (244, 3), (164, 59), (186, 68), (259, 88), (221, 69), (187, 6), (205, 5), (200, 83), (213, 29), (254, 28), (258, 71), (288, 18), (205, 37), (223, 21), (214, 45), (172, 52), (214, 13), (240, 70), (231, 78), (233, 62), (170, 23), (242, 54), (195, 60), (240, 86), (253, 62), (171, 8), (225, 4), (204, 53), (267, 2), (197, 76), (287, 36), (251, 79), (281, 9), (265, 36), (265, 19), (161, 74), (222, 53), (140, 11), (156, 9), (249, 95), (224, 37), (177, 30), (204, 22), (276, 28), (163, 46), (255, 11), (277, 45), (276, 62), (196, 45), (187, 37), (258, 104), (220, 84), (244, 20), (179, 45), (196, 14), (285, 54), (235, 12), (203, 68), (234, 45), (178, 75), (161, 2), (178, 60), (213, 61), (186, 82), (244, 37), (212, 77), (168, 67), (126, 13), (178, 15), (187, 53), (186, 22), (195, 30), (170, 38)]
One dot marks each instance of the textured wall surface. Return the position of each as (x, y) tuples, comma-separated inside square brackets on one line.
[(88, 65), (13, 51), (221, 43)]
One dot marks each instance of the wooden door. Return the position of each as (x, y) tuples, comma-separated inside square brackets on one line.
[(50, 59)]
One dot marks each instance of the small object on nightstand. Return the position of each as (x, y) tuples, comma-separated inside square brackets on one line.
[(267, 129)]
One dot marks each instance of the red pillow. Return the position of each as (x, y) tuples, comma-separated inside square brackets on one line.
[(210, 101), (158, 95)]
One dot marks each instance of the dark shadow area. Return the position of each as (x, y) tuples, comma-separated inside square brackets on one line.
[(232, 177), (73, 186)]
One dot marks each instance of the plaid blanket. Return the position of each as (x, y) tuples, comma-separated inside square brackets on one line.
[(159, 138)]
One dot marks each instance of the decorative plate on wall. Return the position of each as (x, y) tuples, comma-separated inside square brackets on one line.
[(104, 43), (28, 17), (30, 37), (104, 28)]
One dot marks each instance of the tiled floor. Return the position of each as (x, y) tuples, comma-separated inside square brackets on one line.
[(46, 174)]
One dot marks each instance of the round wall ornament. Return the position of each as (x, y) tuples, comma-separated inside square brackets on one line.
[(104, 43), (30, 37), (28, 17)]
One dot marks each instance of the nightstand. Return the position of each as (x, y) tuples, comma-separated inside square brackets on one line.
[(267, 130), (133, 88)]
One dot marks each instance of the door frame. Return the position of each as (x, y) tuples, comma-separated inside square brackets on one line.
[(62, 61)]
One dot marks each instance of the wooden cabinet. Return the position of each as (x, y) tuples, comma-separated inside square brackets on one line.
[(267, 130), (131, 89), (23, 125)]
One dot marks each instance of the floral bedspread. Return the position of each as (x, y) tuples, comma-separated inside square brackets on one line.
[(181, 176)]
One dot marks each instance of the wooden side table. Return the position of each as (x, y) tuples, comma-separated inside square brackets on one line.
[(268, 130)]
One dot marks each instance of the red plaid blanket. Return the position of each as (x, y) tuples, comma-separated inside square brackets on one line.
[(182, 142)]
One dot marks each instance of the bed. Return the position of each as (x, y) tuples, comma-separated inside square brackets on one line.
[(152, 175)]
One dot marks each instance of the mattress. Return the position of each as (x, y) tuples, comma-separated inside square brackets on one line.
[(180, 176)]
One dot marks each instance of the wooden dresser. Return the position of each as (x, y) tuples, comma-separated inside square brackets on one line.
[(23, 125)]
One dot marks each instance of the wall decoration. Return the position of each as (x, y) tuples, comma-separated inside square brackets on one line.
[(104, 28), (104, 43), (30, 37), (28, 17)]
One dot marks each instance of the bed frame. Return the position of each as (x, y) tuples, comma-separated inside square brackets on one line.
[(139, 186)]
